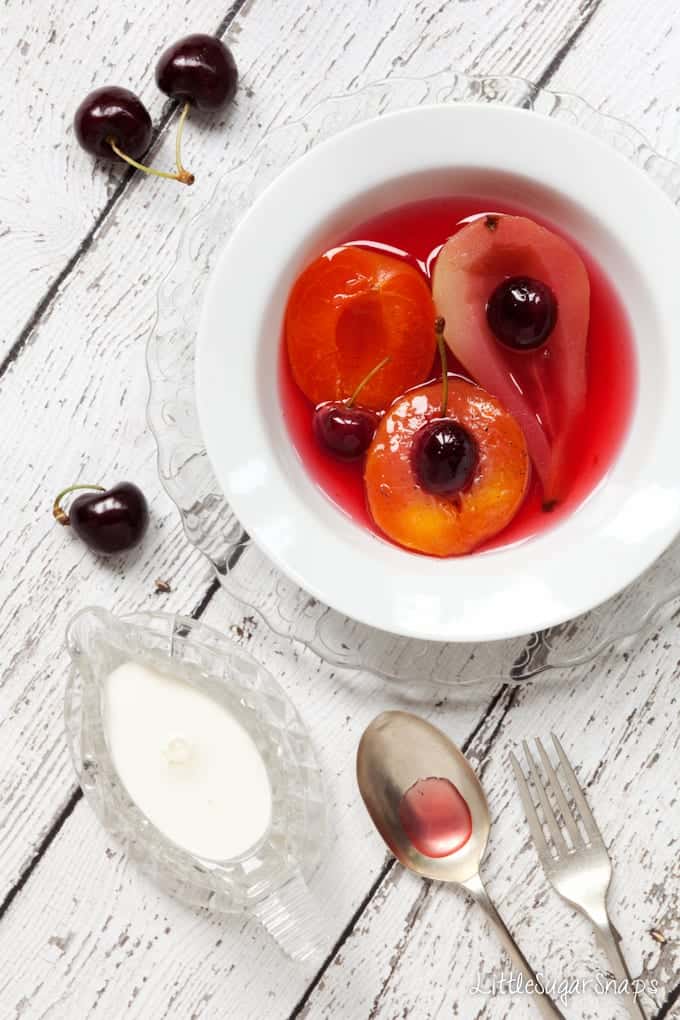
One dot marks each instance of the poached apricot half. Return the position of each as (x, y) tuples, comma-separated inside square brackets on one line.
[(441, 525), (349, 309)]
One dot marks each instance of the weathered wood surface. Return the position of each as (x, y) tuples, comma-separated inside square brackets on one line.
[(82, 933), (52, 197)]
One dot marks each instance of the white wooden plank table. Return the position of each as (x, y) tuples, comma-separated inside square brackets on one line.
[(82, 249)]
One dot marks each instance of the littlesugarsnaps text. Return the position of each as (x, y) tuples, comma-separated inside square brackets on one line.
[(559, 989)]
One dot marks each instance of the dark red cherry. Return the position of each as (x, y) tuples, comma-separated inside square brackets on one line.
[(522, 313), (345, 432), (444, 454), (113, 113), (444, 457), (198, 68), (107, 520), (343, 428)]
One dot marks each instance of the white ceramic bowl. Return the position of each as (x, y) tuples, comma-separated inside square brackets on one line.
[(569, 178)]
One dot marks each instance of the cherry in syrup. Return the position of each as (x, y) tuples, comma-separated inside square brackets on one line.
[(343, 428), (345, 432), (444, 453), (522, 313)]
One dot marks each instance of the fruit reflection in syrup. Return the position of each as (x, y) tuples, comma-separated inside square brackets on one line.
[(435, 817)]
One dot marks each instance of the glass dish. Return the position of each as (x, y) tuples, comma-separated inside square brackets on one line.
[(253, 585), (270, 879)]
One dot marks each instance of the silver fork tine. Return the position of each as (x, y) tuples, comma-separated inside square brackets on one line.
[(568, 818), (535, 827), (576, 792), (548, 813)]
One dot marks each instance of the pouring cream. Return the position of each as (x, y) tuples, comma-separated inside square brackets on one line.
[(186, 761)]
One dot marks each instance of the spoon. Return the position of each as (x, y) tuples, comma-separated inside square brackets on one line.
[(414, 780)]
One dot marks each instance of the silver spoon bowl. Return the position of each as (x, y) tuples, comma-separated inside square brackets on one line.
[(396, 751)]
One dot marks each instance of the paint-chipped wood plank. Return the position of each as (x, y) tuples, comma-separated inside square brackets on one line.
[(626, 65), (51, 194)]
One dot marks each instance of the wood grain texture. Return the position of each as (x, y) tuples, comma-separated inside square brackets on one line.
[(86, 935), (51, 192), (624, 36)]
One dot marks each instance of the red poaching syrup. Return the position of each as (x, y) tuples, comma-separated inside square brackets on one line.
[(434, 817), (420, 229)]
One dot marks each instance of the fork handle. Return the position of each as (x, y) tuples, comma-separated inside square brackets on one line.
[(544, 1004), (608, 941)]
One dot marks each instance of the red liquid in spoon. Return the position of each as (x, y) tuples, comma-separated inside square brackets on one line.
[(435, 817)]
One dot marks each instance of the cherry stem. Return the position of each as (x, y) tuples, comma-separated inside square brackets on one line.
[(441, 344), (58, 512), (183, 176), (178, 141), (367, 378)]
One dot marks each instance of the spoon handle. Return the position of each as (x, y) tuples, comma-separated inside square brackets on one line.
[(545, 1005)]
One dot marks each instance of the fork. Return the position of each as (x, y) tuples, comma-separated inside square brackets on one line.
[(574, 858)]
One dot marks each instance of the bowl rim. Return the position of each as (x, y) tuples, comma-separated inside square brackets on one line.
[(258, 485)]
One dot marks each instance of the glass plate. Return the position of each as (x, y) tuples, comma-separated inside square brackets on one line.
[(269, 879), (253, 584)]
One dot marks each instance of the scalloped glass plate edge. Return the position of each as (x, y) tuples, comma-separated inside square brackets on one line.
[(245, 574)]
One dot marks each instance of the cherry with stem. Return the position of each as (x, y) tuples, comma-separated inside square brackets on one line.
[(113, 122), (197, 70), (183, 175), (107, 520), (342, 427), (58, 512), (445, 454)]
